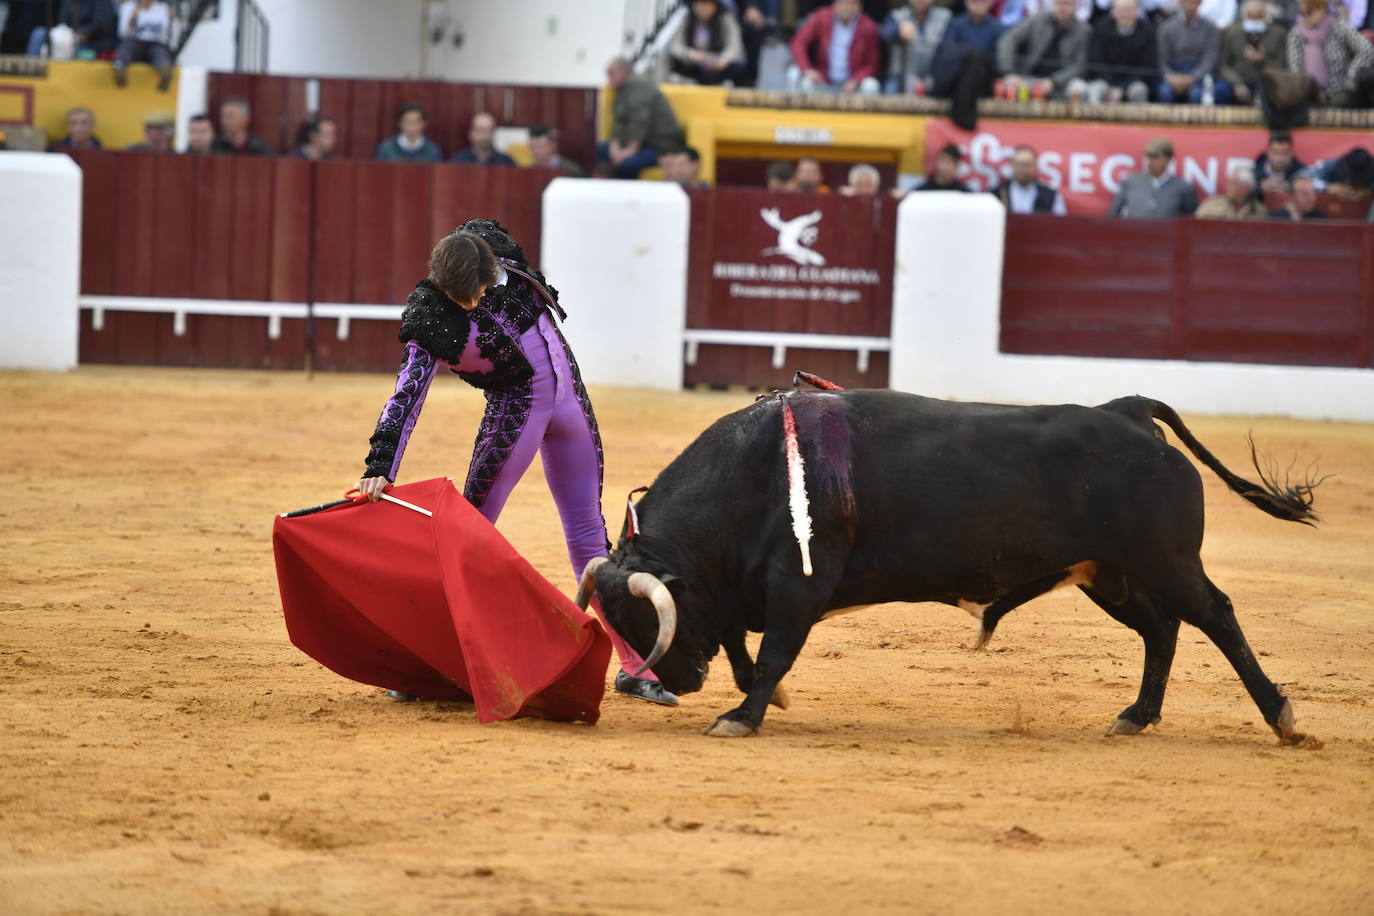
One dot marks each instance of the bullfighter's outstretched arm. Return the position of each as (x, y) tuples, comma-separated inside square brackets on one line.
[(401, 411)]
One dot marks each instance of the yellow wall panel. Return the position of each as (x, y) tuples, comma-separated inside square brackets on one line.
[(119, 113)]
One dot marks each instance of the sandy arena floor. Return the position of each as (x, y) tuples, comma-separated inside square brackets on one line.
[(166, 750)]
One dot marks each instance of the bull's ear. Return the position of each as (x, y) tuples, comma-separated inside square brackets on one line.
[(676, 584)]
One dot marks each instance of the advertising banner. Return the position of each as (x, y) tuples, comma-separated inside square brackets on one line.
[(791, 262), (1086, 162)]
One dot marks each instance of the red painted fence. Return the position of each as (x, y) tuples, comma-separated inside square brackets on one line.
[(356, 233), (365, 110), (274, 230), (1257, 292)]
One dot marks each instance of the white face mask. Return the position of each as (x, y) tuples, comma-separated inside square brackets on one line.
[(1253, 26)]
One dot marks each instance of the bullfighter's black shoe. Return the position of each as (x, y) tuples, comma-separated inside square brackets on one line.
[(397, 696), (642, 689)]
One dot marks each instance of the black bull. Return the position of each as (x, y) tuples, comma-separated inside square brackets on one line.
[(980, 506)]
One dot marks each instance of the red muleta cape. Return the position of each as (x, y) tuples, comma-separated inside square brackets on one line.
[(440, 607)]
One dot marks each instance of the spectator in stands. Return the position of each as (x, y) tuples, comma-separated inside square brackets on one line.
[(145, 32), (544, 152), (234, 117), (758, 19), (913, 32), (200, 135), (836, 50), (808, 177), (80, 132), (1348, 177), (1239, 200), (643, 122), (1247, 47), (864, 181), (1025, 193), (1303, 205), (1122, 56), (92, 22), (1188, 49), (1155, 193), (409, 143), (318, 137), (1338, 57), (945, 175), (709, 48), (480, 133), (780, 175), (1048, 52), (966, 60), (682, 165), (1276, 166), (158, 130)]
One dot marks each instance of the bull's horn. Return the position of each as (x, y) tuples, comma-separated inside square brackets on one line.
[(646, 585), (587, 587)]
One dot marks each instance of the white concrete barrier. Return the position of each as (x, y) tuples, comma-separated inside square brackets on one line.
[(40, 260), (946, 306), (617, 253)]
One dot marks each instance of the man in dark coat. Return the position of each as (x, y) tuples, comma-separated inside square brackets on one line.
[(1122, 56)]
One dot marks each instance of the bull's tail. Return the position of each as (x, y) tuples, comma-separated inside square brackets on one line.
[(1287, 500)]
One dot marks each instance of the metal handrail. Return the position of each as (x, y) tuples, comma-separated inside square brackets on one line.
[(644, 20), (251, 39)]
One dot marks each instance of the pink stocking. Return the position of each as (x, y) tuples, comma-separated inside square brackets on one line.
[(630, 660)]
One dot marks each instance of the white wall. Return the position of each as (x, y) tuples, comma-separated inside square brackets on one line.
[(40, 260), (946, 307), (617, 253), (526, 42), (348, 38)]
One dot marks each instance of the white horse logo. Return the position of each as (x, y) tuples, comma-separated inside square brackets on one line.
[(794, 235)]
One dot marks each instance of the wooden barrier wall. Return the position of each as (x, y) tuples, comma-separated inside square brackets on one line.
[(365, 110), (1257, 292), (358, 232), (274, 230)]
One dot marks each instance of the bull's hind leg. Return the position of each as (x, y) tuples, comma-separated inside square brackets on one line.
[(1206, 607), (1160, 634)]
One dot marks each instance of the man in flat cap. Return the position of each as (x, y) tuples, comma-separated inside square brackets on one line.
[(1155, 193), (158, 130)]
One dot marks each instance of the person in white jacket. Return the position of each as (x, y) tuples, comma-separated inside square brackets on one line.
[(145, 31)]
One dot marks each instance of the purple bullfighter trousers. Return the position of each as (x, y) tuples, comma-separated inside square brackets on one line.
[(556, 427)]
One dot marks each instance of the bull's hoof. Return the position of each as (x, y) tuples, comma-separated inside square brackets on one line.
[(1283, 727), (780, 698), (731, 728), (1124, 726)]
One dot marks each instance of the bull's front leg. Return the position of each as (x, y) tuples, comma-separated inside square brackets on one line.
[(742, 667), (782, 641)]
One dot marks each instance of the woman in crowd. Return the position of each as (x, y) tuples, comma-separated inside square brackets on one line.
[(1339, 58), (708, 49)]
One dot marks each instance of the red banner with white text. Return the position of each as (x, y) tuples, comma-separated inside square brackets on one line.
[(1086, 162)]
